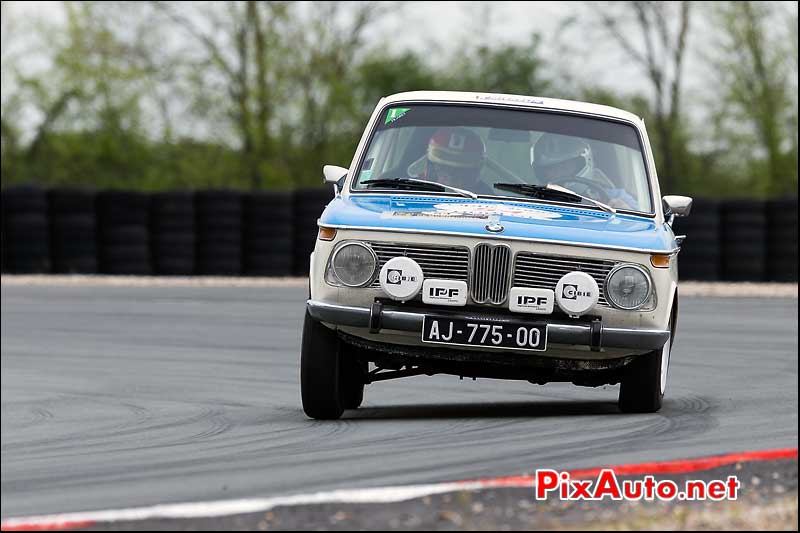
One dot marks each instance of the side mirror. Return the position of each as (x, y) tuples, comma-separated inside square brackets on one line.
[(333, 173), (676, 206)]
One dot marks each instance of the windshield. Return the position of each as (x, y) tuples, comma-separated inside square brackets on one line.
[(491, 152)]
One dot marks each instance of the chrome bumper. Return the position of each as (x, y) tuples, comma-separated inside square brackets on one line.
[(594, 335)]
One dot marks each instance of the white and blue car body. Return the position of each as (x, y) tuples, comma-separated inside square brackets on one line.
[(516, 273)]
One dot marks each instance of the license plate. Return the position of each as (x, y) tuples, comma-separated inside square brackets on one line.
[(470, 332)]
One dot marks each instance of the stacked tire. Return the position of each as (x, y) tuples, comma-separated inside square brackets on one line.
[(308, 206), (268, 234), (744, 240), (700, 255), (172, 233), (25, 231), (219, 232), (73, 231), (782, 239), (123, 232)]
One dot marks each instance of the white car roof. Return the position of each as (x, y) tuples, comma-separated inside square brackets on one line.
[(513, 99)]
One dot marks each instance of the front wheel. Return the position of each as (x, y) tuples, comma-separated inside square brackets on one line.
[(352, 391), (320, 371), (644, 381)]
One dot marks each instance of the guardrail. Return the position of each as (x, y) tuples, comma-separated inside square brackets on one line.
[(222, 232)]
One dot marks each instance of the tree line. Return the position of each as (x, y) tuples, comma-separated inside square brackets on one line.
[(260, 94)]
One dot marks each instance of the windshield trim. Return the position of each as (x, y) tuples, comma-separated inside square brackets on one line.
[(374, 127), (523, 199)]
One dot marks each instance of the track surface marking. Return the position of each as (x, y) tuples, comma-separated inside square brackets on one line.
[(120, 397)]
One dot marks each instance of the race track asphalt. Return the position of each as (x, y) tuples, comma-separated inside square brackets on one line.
[(127, 396)]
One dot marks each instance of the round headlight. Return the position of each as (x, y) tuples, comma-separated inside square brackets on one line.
[(628, 287), (354, 264)]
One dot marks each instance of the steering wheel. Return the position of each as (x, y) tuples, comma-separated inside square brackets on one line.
[(584, 187)]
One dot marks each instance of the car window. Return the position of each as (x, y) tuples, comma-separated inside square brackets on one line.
[(476, 148)]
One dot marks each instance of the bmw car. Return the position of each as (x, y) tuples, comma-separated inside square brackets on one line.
[(493, 236)]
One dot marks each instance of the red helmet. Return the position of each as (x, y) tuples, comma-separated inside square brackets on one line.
[(456, 147)]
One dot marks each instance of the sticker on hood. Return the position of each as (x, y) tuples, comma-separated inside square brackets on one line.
[(484, 210), (432, 214)]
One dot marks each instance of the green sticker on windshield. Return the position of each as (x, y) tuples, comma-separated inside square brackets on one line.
[(395, 113)]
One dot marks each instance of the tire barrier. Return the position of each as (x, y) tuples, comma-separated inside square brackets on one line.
[(222, 232), (26, 235), (308, 206), (744, 240), (123, 233), (268, 233), (73, 231), (219, 232), (782, 239), (699, 258), (172, 233)]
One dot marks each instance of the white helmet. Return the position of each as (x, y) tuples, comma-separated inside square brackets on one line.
[(561, 156)]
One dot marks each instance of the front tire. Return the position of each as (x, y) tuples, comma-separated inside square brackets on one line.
[(320, 371), (353, 395), (353, 378), (645, 381)]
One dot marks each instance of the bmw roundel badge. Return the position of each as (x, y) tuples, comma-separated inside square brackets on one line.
[(494, 225)]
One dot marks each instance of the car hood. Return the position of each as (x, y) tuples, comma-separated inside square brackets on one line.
[(519, 220)]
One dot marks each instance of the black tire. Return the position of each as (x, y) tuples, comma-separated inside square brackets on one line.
[(353, 396), (353, 384), (219, 218), (175, 266), (743, 240), (308, 206), (123, 208), (126, 259), (641, 390), (24, 199), (320, 371), (78, 264), (700, 256), (27, 242), (782, 239), (268, 265), (219, 266), (129, 235), (69, 201)]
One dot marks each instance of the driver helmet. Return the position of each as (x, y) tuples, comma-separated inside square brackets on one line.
[(561, 156), (454, 157)]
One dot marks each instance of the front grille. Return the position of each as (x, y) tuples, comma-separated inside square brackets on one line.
[(544, 271), (441, 262), (490, 274)]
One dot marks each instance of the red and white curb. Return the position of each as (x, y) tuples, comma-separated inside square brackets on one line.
[(368, 495)]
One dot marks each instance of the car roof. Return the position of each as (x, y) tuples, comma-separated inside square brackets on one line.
[(534, 102)]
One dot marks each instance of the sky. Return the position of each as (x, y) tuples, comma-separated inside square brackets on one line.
[(437, 28)]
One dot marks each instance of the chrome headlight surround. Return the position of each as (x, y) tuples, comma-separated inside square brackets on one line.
[(647, 277), (333, 276)]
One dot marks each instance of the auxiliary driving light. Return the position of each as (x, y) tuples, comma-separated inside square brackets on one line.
[(577, 293), (401, 278)]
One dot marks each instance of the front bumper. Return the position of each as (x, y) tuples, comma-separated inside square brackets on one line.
[(592, 334)]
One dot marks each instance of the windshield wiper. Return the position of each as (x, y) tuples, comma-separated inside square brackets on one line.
[(551, 192), (411, 184), (605, 207)]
